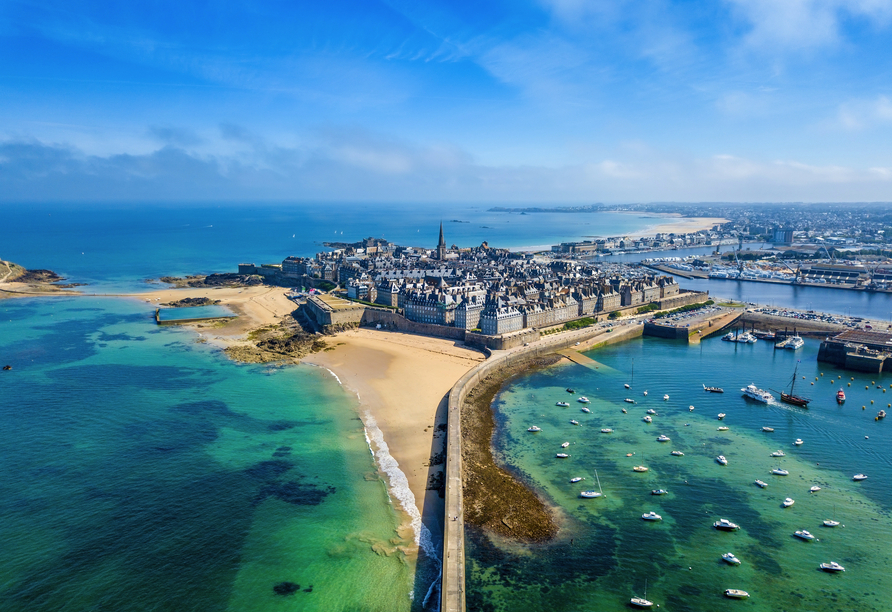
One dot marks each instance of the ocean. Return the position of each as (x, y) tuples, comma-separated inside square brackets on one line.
[(606, 553)]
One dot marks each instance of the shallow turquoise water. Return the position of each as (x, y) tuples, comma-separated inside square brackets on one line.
[(606, 552), (144, 471)]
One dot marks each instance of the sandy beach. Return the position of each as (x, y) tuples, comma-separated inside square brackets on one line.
[(669, 223), (403, 381)]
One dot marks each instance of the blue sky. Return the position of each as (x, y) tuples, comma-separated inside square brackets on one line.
[(540, 101)]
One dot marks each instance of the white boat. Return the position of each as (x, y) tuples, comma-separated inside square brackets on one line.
[(625, 411), (627, 386), (642, 602), (562, 455), (651, 516), (794, 343), (736, 594), (690, 409), (726, 525), (753, 392), (729, 337), (589, 494), (859, 477), (606, 430), (762, 483), (574, 422), (645, 393), (629, 400), (833, 566), (804, 535), (677, 453), (798, 442), (815, 489), (583, 399), (663, 438), (651, 411), (666, 397), (534, 429), (721, 459), (780, 472), (788, 502), (768, 429), (722, 428), (721, 416), (730, 558), (577, 479), (647, 419), (778, 453), (562, 404), (565, 445), (639, 468), (586, 410), (831, 523), (659, 492)]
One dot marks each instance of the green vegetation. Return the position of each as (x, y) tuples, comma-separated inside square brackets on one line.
[(371, 304), (326, 285), (579, 323), (647, 308), (613, 315), (687, 308)]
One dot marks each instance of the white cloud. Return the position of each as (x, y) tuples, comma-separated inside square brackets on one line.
[(805, 24), (861, 114)]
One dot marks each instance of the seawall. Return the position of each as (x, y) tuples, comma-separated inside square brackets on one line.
[(452, 589)]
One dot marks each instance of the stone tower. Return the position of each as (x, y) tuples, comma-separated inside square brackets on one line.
[(441, 246)]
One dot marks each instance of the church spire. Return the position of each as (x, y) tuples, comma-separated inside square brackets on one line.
[(441, 245)]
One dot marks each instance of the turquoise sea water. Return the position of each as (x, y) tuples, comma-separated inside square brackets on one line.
[(144, 471), (606, 552)]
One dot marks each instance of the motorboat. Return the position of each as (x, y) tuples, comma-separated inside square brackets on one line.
[(788, 502), (629, 400), (778, 453), (663, 438), (833, 566), (881, 414), (859, 477), (563, 404), (639, 468), (798, 442), (721, 459), (651, 411), (570, 391), (815, 489), (590, 494), (690, 409), (780, 472), (713, 389), (753, 392), (794, 343), (722, 428), (677, 453), (625, 411), (721, 416), (577, 479), (730, 558), (840, 396), (725, 525), (565, 445), (586, 410), (831, 523), (768, 429), (651, 516), (645, 393), (659, 492), (574, 422), (606, 430), (666, 397), (804, 535), (583, 399), (534, 429), (627, 386), (729, 337), (736, 594), (761, 483), (647, 419), (562, 455)]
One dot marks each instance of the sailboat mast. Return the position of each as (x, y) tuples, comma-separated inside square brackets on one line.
[(599, 483), (793, 382)]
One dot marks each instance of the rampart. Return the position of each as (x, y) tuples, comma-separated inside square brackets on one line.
[(452, 589), (395, 321)]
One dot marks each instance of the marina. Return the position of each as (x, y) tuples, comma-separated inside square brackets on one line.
[(834, 449)]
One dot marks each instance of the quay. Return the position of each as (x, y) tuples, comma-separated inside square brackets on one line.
[(696, 329)]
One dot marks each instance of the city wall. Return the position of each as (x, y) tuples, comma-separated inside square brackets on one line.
[(395, 321), (452, 591)]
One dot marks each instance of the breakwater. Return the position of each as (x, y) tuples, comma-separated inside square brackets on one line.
[(453, 577)]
